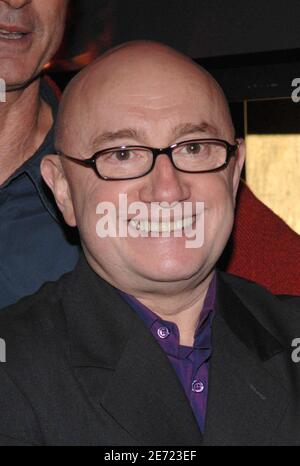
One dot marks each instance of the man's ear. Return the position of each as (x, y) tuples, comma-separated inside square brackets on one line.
[(238, 165), (54, 176)]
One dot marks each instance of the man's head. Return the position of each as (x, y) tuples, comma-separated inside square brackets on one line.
[(149, 95), (30, 33)]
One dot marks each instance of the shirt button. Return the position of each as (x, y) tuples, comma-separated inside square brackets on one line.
[(197, 386), (163, 332)]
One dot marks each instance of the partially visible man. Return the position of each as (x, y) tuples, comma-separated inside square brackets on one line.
[(145, 342), (35, 245)]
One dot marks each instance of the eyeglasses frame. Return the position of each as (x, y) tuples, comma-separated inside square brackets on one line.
[(91, 162)]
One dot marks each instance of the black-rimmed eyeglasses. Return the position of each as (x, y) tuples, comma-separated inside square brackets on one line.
[(129, 162)]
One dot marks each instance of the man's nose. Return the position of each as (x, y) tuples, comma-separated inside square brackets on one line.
[(16, 3), (164, 183)]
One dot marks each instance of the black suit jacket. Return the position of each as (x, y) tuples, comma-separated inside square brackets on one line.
[(82, 369)]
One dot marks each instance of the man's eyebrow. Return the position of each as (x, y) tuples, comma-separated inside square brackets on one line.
[(190, 128), (110, 136)]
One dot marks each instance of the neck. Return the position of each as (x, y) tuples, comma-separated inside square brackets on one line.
[(24, 121), (182, 308)]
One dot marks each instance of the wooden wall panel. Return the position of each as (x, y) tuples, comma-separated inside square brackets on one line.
[(273, 173)]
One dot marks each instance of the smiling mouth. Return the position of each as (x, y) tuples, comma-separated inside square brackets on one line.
[(12, 35), (160, 227)]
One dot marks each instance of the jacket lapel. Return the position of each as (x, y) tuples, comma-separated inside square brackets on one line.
[(122, 368), (145, 396), (245, 402)]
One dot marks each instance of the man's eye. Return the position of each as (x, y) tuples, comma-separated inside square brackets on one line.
[(193, 148), (123, 155), (119, 155)]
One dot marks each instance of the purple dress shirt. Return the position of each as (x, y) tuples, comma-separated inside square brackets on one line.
[(190, 363)]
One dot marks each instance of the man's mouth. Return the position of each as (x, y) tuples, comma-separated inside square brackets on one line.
[(160, 227), (11, 35), (13, 31), (15, 35)]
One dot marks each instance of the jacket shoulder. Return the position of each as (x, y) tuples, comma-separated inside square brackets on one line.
[(18, 318), (241, 283), (279, 313), (31, 331), (32, 335)]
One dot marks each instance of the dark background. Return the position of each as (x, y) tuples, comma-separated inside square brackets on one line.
[(210, 28), (251, 47)]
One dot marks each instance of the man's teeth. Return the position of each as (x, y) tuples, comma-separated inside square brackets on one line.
[(11, 35), (144, 225)]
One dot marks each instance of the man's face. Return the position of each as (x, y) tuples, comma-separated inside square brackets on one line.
[(30, 33), (154, 102)]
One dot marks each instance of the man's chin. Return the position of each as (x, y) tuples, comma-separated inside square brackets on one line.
[(16, 78), (168, 272)]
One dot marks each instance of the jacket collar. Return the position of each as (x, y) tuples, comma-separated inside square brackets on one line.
[(97, 313), (242, 322)]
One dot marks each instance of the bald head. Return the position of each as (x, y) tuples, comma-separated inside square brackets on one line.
[(131, 72)]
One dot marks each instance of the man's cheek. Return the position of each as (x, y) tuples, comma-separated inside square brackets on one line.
[(219, 216), (85, 212)]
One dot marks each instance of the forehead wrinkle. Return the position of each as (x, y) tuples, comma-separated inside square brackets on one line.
[(140, 134)]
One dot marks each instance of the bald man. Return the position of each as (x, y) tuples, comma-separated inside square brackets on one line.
[(145, 342)]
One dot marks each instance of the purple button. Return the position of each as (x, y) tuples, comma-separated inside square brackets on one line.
[(163, 332), (197, 386)]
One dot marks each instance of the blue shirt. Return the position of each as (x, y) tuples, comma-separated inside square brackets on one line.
[(191, 364), (35, 244)]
